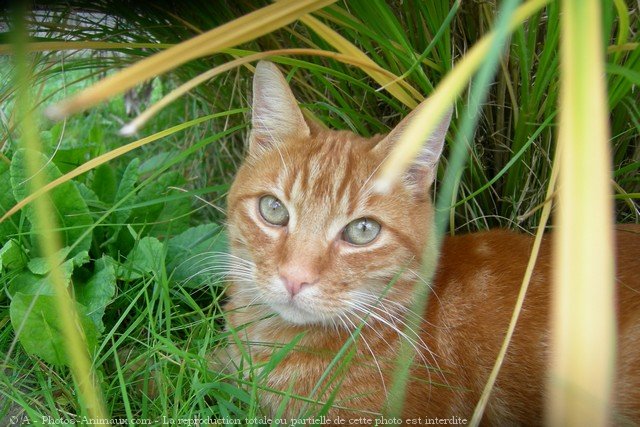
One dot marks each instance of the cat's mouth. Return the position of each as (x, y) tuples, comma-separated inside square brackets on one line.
[(293, 311)]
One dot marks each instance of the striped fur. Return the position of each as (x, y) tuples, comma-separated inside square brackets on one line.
[(324, 179)]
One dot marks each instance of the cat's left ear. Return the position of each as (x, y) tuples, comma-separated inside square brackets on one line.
[(422, 171), (276, 116)]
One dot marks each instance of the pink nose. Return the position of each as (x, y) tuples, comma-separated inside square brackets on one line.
[(296, 276)]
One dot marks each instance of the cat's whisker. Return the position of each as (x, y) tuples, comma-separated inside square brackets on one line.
[(223, 261), (226, 255), (360, 318), (421, 356), (335, 325), (383, 301), (378, 303), (224, 267), (206, 256), (228, 265), (225, 272), (397, 318), (220, 271), (375, 359), (366, 309), (418, 276), (252, 302), (394, 327), (435, 365), (402, 334), (220, 274)]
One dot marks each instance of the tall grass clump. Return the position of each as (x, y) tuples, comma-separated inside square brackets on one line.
[(109, 219)]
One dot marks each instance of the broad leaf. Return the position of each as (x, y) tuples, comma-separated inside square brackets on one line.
[(12, 256), (64, 145), (26, 282), (71, 211), (90, 197), (36, 320), (9, 226), (97, 293), (104, 183), (156, 162), (146, 257), (42, 266), (125, 188), (162, 218), (197, 255)]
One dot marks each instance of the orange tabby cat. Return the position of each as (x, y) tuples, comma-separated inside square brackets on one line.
[(318, 254)]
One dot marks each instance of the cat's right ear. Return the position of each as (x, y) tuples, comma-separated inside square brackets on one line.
[(422, 171), (276, 116)]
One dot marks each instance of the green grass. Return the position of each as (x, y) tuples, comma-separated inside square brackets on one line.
[(152, 358)]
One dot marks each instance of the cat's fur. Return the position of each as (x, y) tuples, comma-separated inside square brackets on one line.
[(324, 178)]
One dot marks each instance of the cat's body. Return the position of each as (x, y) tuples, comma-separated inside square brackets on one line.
[(318, 254)]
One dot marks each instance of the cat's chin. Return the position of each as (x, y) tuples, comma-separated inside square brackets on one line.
[(298, 316)]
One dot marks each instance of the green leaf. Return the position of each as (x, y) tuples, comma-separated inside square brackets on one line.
[(52, 139), (12, 256), (104, 183), (193, 255), (68, 148), (146, 257), (162, 218), (42, 265), (89, 196), (156, 162), (125, 188), (36, 320), (71, 211), (27, 282), (231, 390), (67, 159), (7, 201), (97, 293), (81, 259)]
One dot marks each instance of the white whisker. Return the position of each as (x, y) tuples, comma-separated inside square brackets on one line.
[(375, 360)]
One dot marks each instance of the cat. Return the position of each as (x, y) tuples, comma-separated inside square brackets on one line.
[(318, 259)]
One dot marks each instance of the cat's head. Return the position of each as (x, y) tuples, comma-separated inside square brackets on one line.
[(320, 242)]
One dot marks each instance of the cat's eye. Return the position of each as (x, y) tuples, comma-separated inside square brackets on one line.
[(361, 231), (273, 210)]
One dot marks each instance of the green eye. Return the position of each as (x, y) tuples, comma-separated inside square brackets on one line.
[(273, 210), (361, 231)]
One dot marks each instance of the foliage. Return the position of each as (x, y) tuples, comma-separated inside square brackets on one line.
[(136, 231), (94, 257)]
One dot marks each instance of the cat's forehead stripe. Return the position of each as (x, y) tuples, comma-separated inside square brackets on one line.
[(288, 182), (322, 183)]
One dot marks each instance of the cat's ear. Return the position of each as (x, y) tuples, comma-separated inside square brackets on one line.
[(276, 115), (422, 171)]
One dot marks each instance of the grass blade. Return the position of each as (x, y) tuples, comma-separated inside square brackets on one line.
[(76, 347), (240, 30), (346, 47), (432, 111), (546, 213), (580, 381), (93, 163), (456, 165), (363, 63), (80, 45)]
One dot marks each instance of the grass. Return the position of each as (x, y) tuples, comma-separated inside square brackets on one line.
[(152, 357)]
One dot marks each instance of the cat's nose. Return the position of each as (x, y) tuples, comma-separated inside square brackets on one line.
[(296, 276)]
